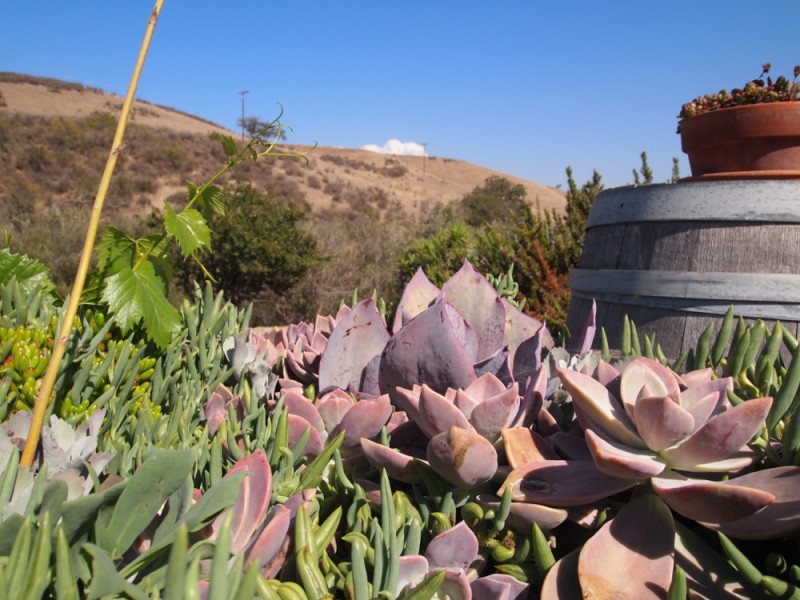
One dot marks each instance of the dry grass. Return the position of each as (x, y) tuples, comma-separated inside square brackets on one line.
[(180, 149)]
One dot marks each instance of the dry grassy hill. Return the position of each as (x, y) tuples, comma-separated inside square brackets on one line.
[(365, 208), (330, 178)]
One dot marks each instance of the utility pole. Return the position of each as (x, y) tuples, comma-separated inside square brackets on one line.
[(242, 94), (424, 156)]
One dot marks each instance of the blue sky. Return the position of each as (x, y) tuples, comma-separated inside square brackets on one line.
[(525, 87)]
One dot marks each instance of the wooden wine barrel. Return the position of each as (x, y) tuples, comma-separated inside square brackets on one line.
[(675, 257)]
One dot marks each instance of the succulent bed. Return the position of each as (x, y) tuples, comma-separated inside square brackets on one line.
[(450, 449)]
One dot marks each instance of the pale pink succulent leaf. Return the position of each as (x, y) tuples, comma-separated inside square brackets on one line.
[(418, 294), (465, 402), (606, 373), (437, 347), (398, 465), (456, 548), (521, 327), (251, 505), (778, 519), (455, 585), (697, 393), (462, 457), (708, 574), (297, 404), (600, 407), (486, 386), (561, 581), (295, 366), (215, 409), (630, 556), (581, 339), (661, 422), (438, 413), (411, 571), (530, 405), (494, 414), (562, 483), (523, 515), (297, 426), (477, 300), (325, 324), (526, 361), (697, 377), (364, 420), (721, 436), (646, 373), (737, 461), (619, 460), (332, 407), (407, 400), (522, 445), (700, 407), (498, 364), (355, 342), (267, 543), (713, 501), (484, 587)]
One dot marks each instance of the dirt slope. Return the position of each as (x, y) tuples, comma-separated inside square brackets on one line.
[(331, 170)]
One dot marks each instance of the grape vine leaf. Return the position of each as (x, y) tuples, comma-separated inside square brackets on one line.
[(228, 144), (138, 295), (189, 228), (210, 198), (29, 273)]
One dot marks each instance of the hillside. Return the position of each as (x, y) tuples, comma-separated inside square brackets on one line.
[(362, 208), (333, 176)]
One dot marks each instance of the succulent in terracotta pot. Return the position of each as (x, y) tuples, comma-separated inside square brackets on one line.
[(745, 133), (757, 91)]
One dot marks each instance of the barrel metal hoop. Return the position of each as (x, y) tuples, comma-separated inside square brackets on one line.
[(757, 295), (752, 202)]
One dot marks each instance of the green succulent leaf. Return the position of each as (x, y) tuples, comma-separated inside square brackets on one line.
[(189, 228), (138, 295), (148, 488), (105, 579)]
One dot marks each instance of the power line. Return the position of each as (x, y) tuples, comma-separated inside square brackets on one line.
[(242, 94)]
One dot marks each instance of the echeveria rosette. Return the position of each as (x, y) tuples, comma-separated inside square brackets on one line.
[(462, 425), (456, 552), (332, 413), (648, 423), (448, 337), (305, 344), (655, 425)]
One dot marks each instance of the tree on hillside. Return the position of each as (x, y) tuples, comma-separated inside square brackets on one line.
[(497, 200), (253, 126), (258, 244)]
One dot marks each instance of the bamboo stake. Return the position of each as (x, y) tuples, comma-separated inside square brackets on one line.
[(60, 346)]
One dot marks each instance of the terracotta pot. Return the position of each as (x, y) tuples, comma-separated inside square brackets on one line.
[(758, 141)]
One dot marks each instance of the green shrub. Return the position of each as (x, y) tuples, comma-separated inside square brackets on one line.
[(258, 244), (496, 200)]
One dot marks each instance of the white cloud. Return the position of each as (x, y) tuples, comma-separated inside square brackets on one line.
[(395, 146)]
